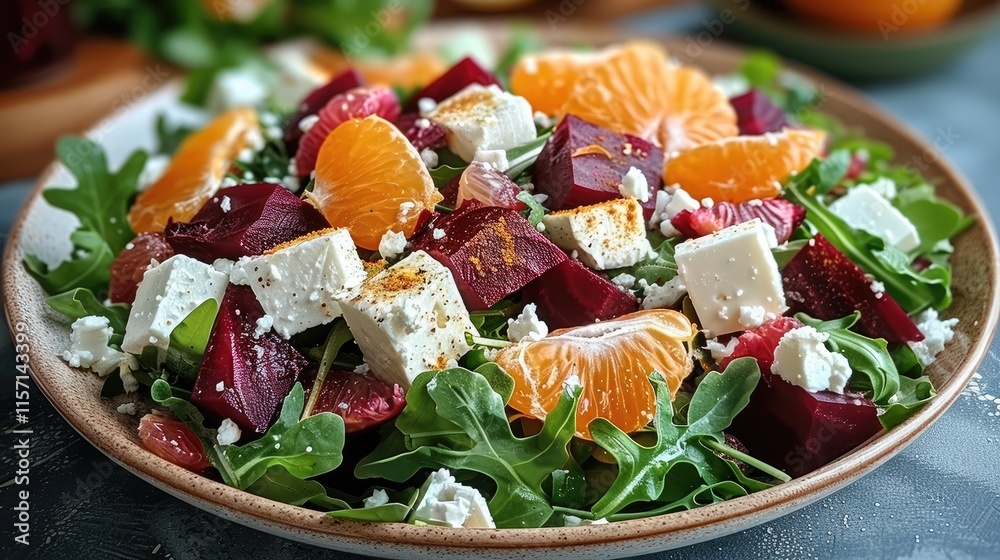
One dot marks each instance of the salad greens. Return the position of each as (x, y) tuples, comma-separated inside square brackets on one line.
[(657, 268)]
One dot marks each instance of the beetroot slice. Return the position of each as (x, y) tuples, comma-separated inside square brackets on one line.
[(362, 401), (422, 133), (756, 114), (822, 282), (133, 261), (570, 295), (761, 342), (254, 373), (315, 101), (782, 215), (492, 252), (259, 218), (464, 73), (583, 164)]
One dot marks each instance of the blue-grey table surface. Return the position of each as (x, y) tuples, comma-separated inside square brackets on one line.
[(938, 499)]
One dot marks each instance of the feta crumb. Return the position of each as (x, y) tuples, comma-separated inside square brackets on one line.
[(89, 348), (446, 502), (527, 326), (937, 334), (668, 205), (438, 234), (877, 287), (429, 157), (404, 211), (634, 185), (751, 316), (574, 521), (306, 124), (378, 498), (226, 205), (542, 120), (127, 408), (721, 351), (658, 296), (363, 368), (803, 359), (707, 202), (540, 198), (264, 325), (229, 433), (885, 187), (540, 227), (624, 280), (392, 244), (129, 382), (426, 105), (220, 386), (224, 266), (572, 383)]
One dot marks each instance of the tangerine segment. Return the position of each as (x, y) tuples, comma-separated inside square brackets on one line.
[(547, 79), (409, 71), (612, 360), (636, 90), (371, 180), (196, 171), (745, 167)]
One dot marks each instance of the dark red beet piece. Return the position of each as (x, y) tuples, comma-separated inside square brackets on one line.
[(492, 252), (315, 101), (784, 216), (129, 266), (757, 114), (361, 400), (570, 295), (823, 282), (256, 373), (421, 132), (859, 164), (760, 343), (259, 218), (465, 72), (583, 164), (798, 431)]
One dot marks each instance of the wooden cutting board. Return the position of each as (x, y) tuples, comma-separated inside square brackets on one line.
[(103, 76)]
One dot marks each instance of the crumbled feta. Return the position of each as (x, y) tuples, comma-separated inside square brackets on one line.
[(731, 85), (392, 244), (542, 120), (610, 234), (444, 501), (129, 382), (657, 296), (226, 205), (426, 105), (297, 72), (363, 368), (752, 316), (878, 288), (127, 408), (668, 205), (483, 118), (634, 185), (220, 386), (624, 280), (167, 294), (865, 209), (429, 157), (229, 433), (707, 202), (307, 122), (263, 326), (731, 269), (803, 359), (298, 282), (408, 319), (497, 159), (574, 521), (225, 266), (885, 187), (937, 333), (439, 234), (378, 498), (721, 351), (527, 325)]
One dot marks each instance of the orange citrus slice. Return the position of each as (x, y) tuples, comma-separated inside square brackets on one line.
[(745, 167), (195, 172), (371, 180), (547, 79), (636, 90), (612, 361), (408, 71)]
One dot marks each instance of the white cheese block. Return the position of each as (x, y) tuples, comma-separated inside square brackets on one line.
[(89, 347), (610, 234), (408, 319), (446, 502), (167, 294), (802, 359), (484, 118), (298, 283), (865, 209), (728, 271)]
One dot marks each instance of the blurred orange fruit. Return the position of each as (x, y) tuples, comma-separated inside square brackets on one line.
[(636, 90), (371, 180), (612, 361), (547, 79), (407, 71), (878, 16), (745, 167), (195, 172)]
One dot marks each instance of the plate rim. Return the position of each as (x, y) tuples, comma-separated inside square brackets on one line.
[(676, 529)]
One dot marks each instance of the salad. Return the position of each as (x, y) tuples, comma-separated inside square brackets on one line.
[(584, 288)]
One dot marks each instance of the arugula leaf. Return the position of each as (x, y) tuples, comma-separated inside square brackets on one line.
[(703, 495), (655, 269), (281, 486), (81, 302), (913, 394), (906, 360), (87, 267), (338, 336), (914, 291), (867, 356), (524, 156), (169, 137), (396, 511), (824, 174), (787, 251), (535, 212), (455, 419), (643, 471), (937, 221), (189, 339), (444, 173)]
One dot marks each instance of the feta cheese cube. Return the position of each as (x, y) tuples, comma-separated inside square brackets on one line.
[(89, 348), (408, 319), (802, 359), (634, 185), (527, 325), (611, 234), (167, 294), (484, 118), (865, 209), (297, 283), (446, 502), (937, 334), (729, 270), (669, 203)]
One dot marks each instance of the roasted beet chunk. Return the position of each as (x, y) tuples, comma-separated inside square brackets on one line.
[(492, 252), (757, 114), (782, 215), (245, 374), (421, 132), (361, 400), (129, 266), (244, 220), (583, 164), (315, 101), (571, 295), (822, 282), (465, 72)]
